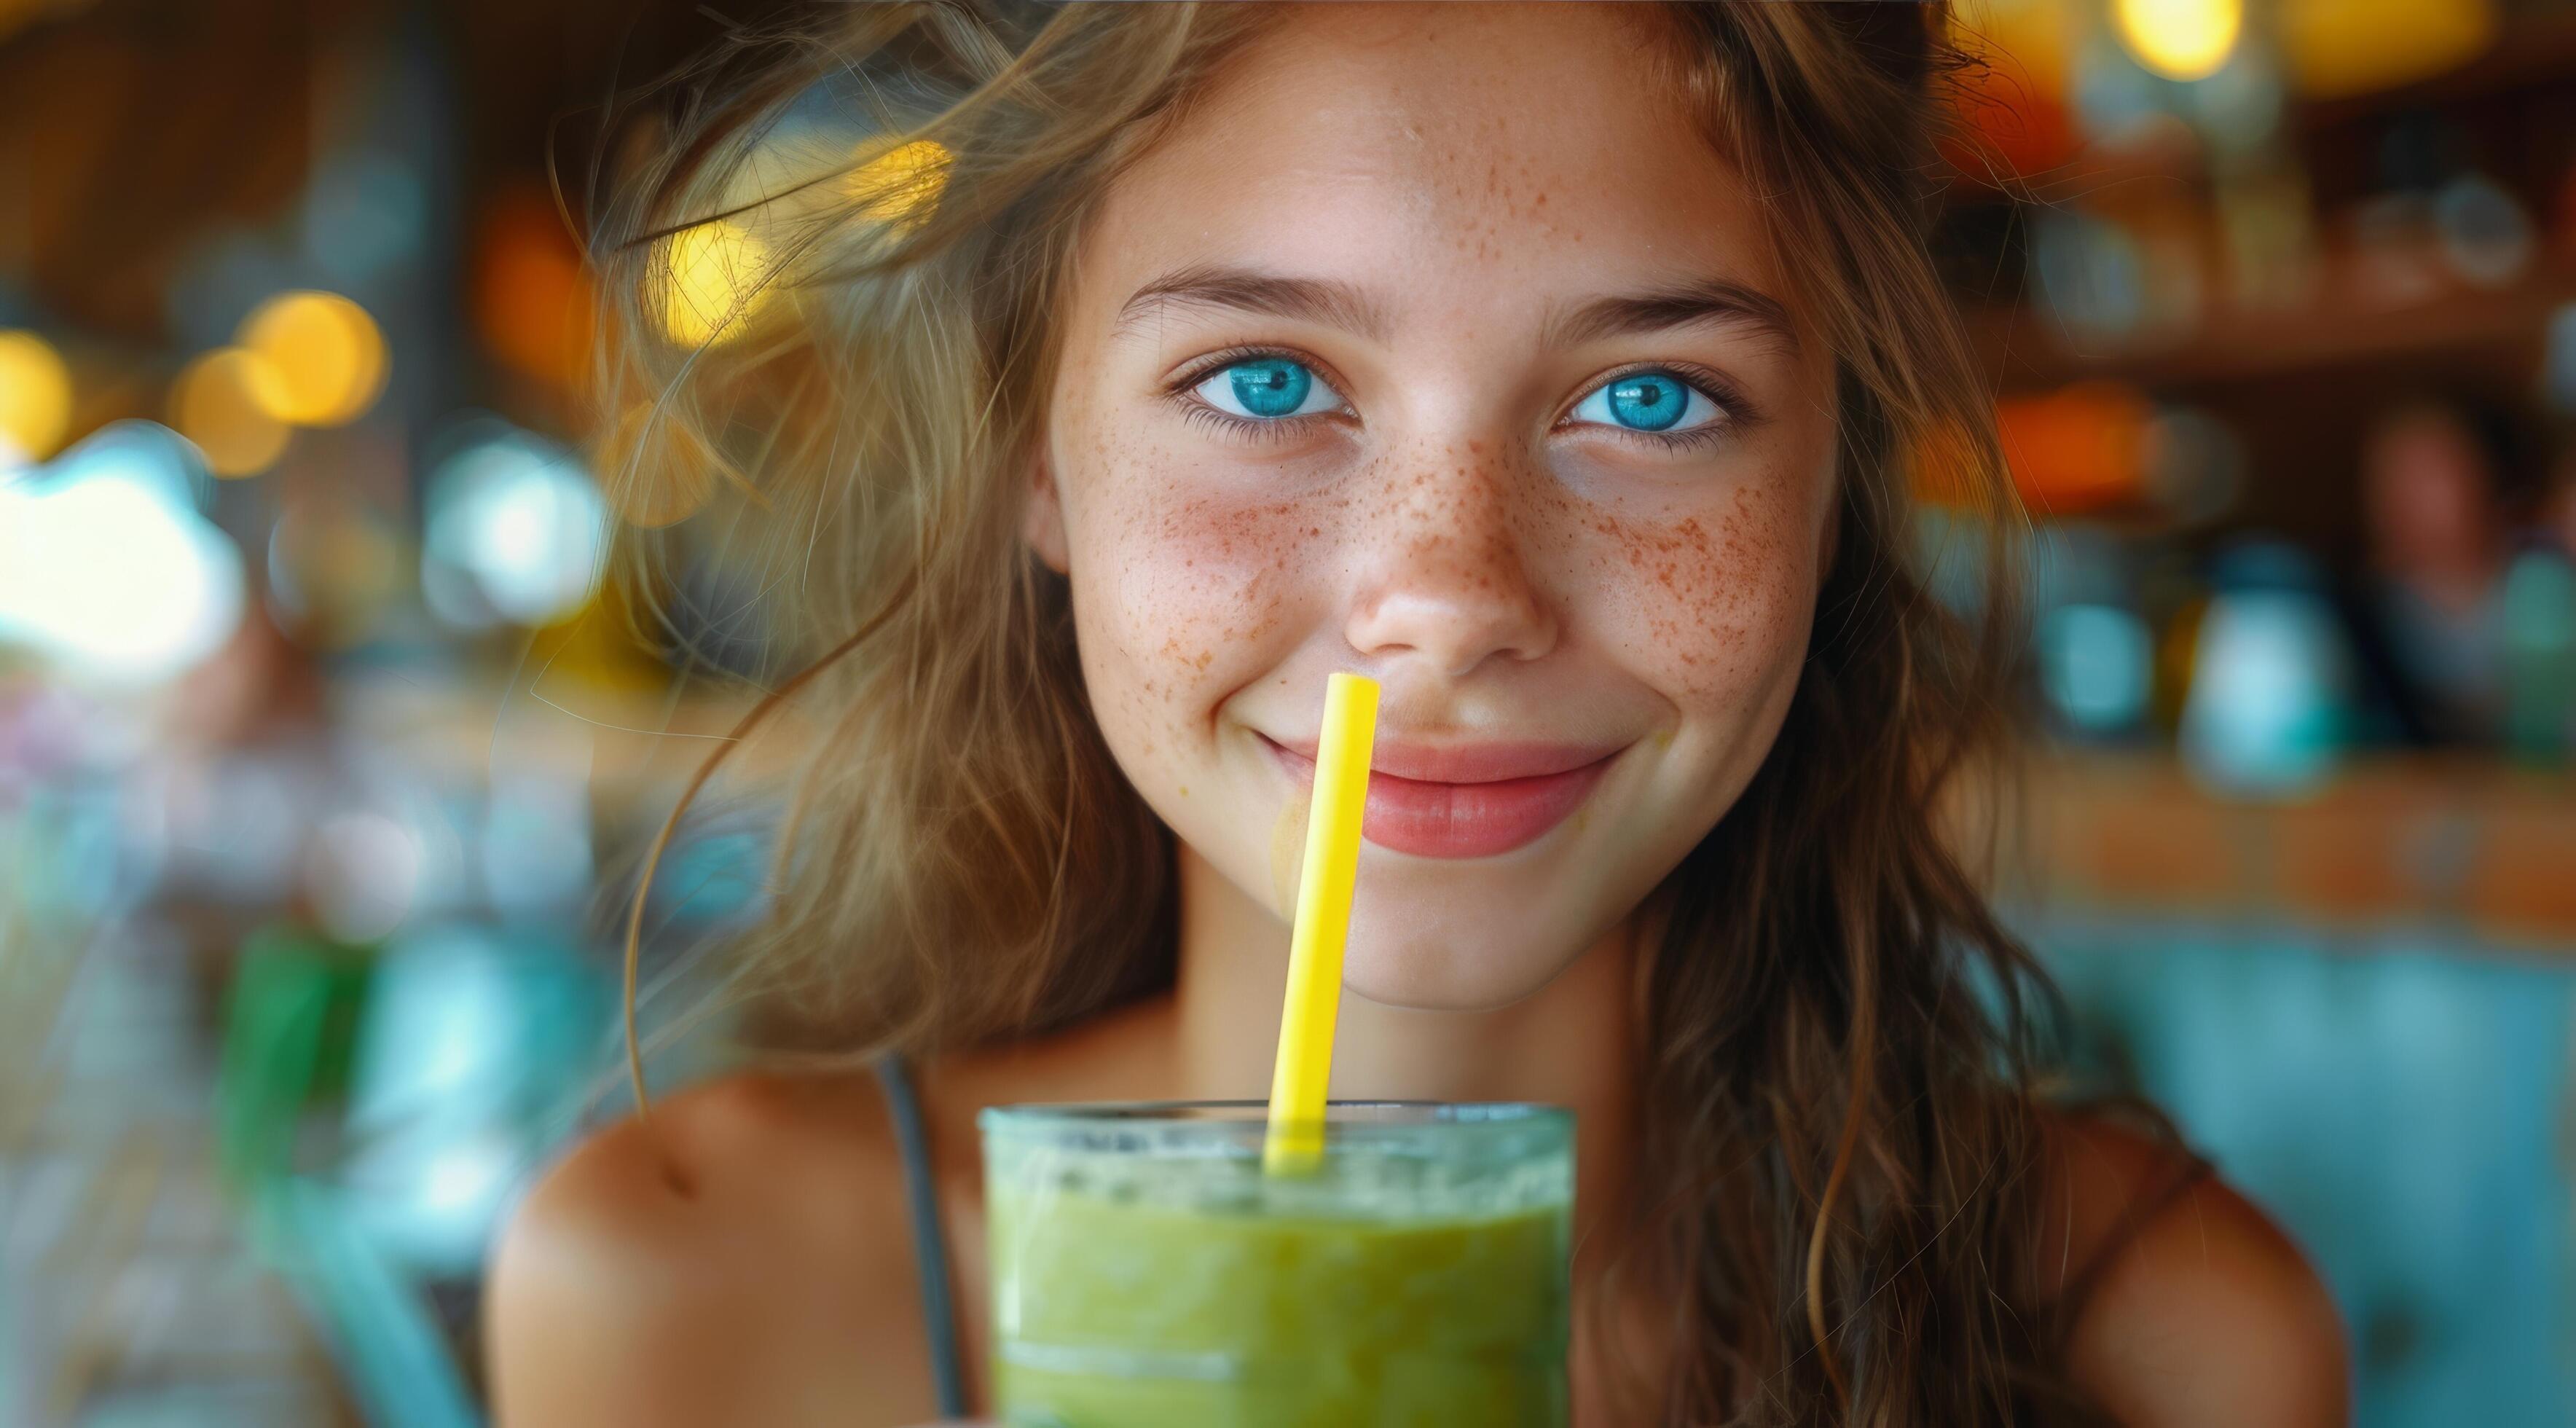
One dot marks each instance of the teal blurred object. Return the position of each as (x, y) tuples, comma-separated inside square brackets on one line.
[(290, 1030), (377, 1107), (2399, 1104), (2270, 710), (469, 1055), (387, 1342), (2097, 665), (2095, 655), (290, 1021), (2538, 614), (2266, 715)]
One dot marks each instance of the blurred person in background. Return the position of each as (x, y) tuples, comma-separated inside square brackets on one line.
[(2438, 545)]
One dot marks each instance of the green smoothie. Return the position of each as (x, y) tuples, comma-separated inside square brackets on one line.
[(1146, 1273)]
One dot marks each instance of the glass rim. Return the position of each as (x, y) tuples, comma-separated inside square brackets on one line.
[(1392, 1116)]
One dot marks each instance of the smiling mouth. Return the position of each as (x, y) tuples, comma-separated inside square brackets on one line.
[(1465, 801)]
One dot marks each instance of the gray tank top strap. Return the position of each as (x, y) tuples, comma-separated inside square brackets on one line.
[(929, 1246)]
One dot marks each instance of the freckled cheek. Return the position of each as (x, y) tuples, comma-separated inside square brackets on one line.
[(1760, 633), (1707, 611), (1719, 640), (1183, 605)]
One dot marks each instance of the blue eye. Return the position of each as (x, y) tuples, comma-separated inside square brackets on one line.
[(1647, 401), (1267, 388)]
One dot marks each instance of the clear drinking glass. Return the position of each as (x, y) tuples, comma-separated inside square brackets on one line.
[(1147, 1273)]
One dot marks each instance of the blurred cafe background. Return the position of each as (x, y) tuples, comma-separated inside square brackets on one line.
[(326, 751)]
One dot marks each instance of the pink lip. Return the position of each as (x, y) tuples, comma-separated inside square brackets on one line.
[(1464, 801)]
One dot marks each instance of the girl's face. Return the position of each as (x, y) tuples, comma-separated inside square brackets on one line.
[(1440, 346)]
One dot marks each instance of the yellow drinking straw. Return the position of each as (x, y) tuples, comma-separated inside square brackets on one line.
[(1296, 1139)]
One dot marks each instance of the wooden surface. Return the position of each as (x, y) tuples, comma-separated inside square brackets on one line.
[(2467, 844)]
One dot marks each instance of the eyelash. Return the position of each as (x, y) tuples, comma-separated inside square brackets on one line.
[(1737, 413), (1272, 430)]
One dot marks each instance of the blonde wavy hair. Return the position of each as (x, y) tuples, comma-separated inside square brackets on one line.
[(1841, 1151)]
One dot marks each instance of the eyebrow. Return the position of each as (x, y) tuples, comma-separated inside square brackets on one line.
[(1708, 300), (1319, 300), (1345, 305)]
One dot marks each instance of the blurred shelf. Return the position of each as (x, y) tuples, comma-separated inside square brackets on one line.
[(2026, 350), (2466, 845)]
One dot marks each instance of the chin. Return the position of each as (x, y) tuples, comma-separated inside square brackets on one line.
[(1447, 973)]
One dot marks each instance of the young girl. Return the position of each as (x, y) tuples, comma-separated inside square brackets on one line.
[(1558, 367)]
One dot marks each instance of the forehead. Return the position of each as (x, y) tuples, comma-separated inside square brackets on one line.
[(1435, 150)]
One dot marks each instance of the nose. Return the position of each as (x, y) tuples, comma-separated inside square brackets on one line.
[(1444, 578)]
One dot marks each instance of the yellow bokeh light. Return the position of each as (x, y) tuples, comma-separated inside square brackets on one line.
[(2180, 39), (902, 184), (327, 355), (227, 403), (35, 398), (718, 282)]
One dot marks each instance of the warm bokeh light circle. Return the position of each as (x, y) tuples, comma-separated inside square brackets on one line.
[(2180, 39), (327, 353), (227, 402), (901, 185), (35, 398), (717, 283)]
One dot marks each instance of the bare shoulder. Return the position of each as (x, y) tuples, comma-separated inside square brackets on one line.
[(2201, 1311), (739, 1258)]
